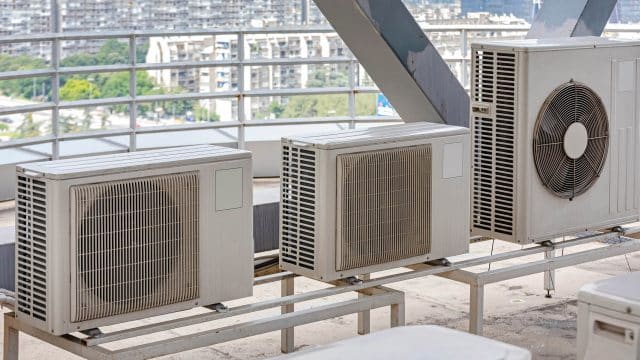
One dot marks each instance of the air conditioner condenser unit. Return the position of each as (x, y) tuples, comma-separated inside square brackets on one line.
[(115, 238), (555, 137), (360, 201)]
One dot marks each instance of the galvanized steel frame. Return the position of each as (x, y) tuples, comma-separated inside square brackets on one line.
[(547, 266), (372, 294), (90, 347)]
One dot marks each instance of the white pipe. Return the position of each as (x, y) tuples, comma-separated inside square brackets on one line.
[(7, 301), (630, 230), (7, 292)]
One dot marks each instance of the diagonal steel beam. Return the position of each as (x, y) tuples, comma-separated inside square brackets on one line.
[(396, 53), (567, 18)]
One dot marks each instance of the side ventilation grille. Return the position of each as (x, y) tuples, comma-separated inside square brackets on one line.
[(31, 247), (494, 82), (134, 244), (384, 206), (297, 206)]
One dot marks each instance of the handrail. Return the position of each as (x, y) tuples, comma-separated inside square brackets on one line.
[(241, 62)]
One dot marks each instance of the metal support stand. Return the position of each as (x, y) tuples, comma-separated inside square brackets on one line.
[(375, 295), (364, 317), (549, 275), (90, 347), (287, 340), (11, 340), (476, 308), (551, 262)]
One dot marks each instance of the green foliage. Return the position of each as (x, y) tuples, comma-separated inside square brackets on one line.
[(113, 52), (141, 52), (366, 104), (3, 127), (323, 105), (78, 89), (203, 114), (81, 59), (276, 109), (327, 78), (25, 88), (28, 128), (315, 106), (67, 124)]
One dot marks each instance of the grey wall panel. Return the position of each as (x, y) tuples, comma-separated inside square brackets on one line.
[(266, 226), (7, 182), (7, 266), (266, 157)]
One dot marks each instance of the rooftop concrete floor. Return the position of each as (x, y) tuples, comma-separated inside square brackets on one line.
[(516, 311)]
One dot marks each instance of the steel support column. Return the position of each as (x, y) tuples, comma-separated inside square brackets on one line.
[(397, 54), (567, 18)]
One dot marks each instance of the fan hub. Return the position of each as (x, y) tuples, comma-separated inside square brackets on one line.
[(575, 141)]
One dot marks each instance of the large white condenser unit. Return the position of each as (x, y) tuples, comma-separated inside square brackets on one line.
[(555, 137), (114, 238), (359, 201)]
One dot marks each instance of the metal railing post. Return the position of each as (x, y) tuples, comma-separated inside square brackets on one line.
[(133, 115), (464, 73), (352, 91), (55, 80), (241, 94)]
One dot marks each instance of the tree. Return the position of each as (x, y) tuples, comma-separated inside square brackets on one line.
[(327, 77), (81, 59), (276, 109), (86, 120), (141, 52), (27, 87), (366, 104), (113, 52), (77, 89), (67, 124), (316, 106), (203, 114), (104, 120), (28, 128)]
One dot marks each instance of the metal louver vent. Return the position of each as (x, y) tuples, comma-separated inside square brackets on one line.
[(383, 206), (494, 82), (570, 140), (31, 247), (134, 244), (297, 206)]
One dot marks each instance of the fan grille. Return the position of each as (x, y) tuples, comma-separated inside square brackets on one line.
[(564, 175), (136, 244)]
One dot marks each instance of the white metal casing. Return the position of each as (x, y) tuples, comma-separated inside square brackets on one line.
[(224, 246), (529, 71), (449, 200), (609, 319)]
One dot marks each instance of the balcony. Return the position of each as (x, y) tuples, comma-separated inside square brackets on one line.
[(242, 88), (138, 120)]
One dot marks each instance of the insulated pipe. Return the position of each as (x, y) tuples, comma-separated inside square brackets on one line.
[(7, 301)]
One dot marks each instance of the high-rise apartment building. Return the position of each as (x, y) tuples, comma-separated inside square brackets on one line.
[(519, 8)]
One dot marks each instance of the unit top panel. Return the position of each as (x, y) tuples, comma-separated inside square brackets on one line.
[(529, 45), (133, 161), (376, 135)]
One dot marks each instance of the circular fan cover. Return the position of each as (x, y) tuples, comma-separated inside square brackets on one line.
[(570, 140)]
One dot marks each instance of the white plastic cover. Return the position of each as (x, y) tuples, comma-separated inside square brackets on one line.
[(413, 343)]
